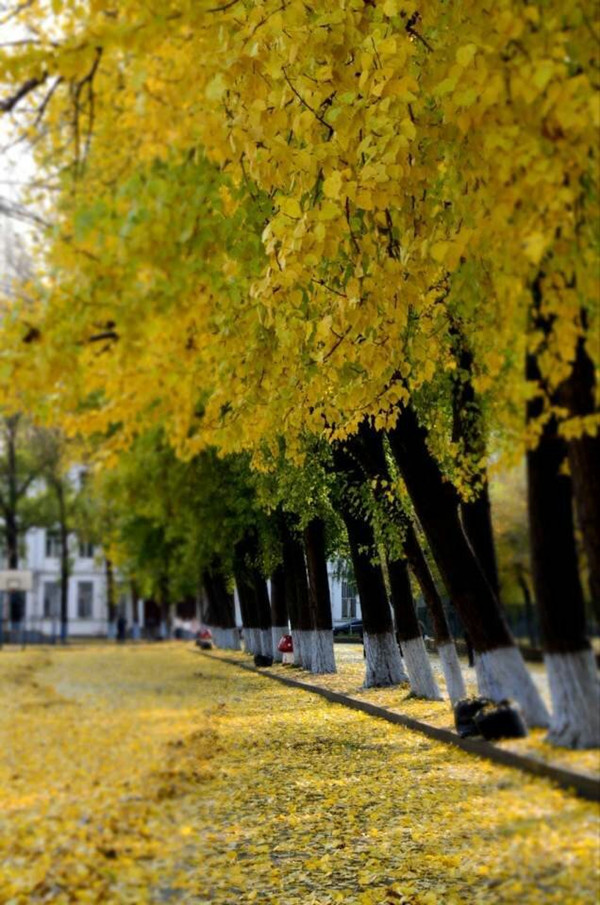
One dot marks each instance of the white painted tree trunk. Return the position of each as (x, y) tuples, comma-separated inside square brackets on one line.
[(226, 638), (575, 694), (276, 633), (265, 640), (501, 673), (420, 673), (304, 648), (455, 684), (251, 640), (384, 663), (322, 659), (297, 638)]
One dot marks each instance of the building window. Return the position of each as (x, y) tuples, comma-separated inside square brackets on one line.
[(51, 599), (86, 550), (348, 600), (52, 545), (85, 599)]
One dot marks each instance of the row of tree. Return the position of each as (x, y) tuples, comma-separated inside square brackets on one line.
[(357, 247)]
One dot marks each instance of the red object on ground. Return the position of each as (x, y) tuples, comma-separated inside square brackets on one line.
[(205, 634), (285, 646)]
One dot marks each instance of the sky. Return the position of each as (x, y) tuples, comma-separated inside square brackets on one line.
[(17, 169)]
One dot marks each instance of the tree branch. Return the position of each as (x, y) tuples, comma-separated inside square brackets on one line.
[(304, 103), (26, 88)]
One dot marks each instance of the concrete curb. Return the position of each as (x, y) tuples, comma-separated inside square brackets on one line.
[(577, 783)]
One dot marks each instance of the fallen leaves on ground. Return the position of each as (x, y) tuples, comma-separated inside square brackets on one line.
[(350, 677), (150, 774)]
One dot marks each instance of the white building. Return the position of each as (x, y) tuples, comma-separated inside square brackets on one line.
[(87, 602), (345, 604), (86, 598)]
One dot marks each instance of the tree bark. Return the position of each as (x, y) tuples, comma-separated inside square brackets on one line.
[(467, 430), (501, 671), (298, 597), (248, 604), (577, 394), (569, 659), (279, 609), (110, 597), (529, 616), (11, 522), (369, 449), (446, 648), (408, 631), (383, 661), (323, 658), (252, 585), (135, 611), (64, 562)]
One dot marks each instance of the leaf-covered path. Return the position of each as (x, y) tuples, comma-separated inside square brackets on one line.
[(147, 774)]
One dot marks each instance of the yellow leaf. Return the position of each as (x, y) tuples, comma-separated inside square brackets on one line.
[(332, 186), (465, 54), (291, 207), (535, 245), (407, 127), (364, 199), (329, 211), (439, 250)]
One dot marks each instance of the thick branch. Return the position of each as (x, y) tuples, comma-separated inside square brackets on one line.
[(26, 88)]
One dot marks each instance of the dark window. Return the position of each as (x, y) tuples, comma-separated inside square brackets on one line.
[(52, 544), (86, 550), (51, 599), (348, 600), (85, 599)]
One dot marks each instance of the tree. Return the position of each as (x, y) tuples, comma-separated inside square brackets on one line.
[(21, 466), (328, 207), (570, 661)]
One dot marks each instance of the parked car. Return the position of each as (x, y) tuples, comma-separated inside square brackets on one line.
[(352, 627)]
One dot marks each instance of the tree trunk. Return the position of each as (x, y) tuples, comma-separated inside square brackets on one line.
[(279, 610), (263, 606), (569, 659), (446, 648), (135, 611), (110, 598), (501, 671), (298, 597), (247, 603), (467, 430), (370, 450), (228, 637), (253, 587), (416, 658), (64, 562), (529, 615), (383, 661), (11, 523), (577, 394), (323, 658)]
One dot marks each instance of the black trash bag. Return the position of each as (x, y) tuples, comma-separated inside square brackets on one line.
[(503, 720), (261, 660), (464, 714)]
